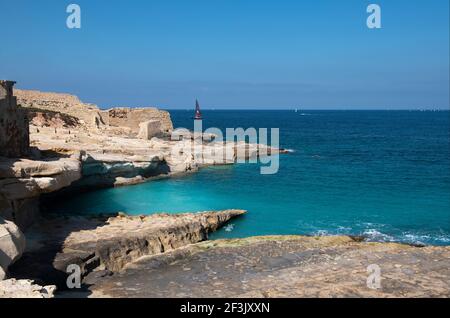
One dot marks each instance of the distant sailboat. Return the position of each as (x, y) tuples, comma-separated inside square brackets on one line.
[(198, 113)]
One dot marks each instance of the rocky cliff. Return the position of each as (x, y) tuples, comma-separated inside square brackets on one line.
[(56, 103), (70, 146), (25, 288), (77, 147), (102, 246), (12, 245), (133, 117), (22, 181), (63, 110)]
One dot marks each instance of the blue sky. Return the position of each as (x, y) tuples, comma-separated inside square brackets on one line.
[(232, 54)]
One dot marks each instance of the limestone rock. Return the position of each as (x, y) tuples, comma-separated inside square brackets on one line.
[(150, 129), (20, 179), (284, 266), (14, 130), (48, 104), (42, 118), (12, 244), (2, 274), (13, 288), (132, 117), (110, 243)]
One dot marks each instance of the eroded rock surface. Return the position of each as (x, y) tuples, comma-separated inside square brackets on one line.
[(78, 147), (65, 110), (12, 245), (109, 243), (12, 288), (284, 266), (22, 181), (14, 136), (133, 117)]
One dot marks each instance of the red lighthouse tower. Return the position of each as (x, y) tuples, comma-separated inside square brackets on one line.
[(198, 113)]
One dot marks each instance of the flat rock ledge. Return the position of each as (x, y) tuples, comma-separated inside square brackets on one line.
[(284, 266), (12, 288), (104, 245)]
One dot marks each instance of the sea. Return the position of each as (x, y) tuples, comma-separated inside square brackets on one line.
[(384, 175)]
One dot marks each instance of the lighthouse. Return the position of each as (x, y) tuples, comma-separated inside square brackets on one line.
[(198, 113)]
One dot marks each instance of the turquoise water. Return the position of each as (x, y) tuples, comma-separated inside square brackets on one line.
[(382, 174)]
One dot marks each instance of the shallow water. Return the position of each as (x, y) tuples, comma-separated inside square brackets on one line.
[(383, 174)]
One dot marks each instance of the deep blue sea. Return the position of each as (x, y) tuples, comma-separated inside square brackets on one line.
[(382, 174)]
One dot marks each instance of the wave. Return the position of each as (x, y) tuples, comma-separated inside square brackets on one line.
[(407, 237), (375, 235)]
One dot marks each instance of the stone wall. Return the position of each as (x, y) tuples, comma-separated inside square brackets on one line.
[(132, 117), (51, 104), (150, 129), (88, 115), (14, 128)]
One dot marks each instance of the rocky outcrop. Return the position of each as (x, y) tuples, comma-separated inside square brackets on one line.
[(284, 266), (133, 117), (109, 160), (12, 245), (122, 147), (14, 131), (22, 181), (24, 288), (23, 178), (45, 104), (77, 147), (45, 118), (107, 245), (63, 110), (71, 154), (109, 169)]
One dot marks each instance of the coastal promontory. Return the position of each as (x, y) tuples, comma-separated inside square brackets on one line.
[(54, 145)]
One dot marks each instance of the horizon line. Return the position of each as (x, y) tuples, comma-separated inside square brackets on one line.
[(312, 109)]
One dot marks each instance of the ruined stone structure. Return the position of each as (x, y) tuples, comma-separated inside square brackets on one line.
[(68, 111), (14, 128), (132, 117), (150, 129), (47, 106)]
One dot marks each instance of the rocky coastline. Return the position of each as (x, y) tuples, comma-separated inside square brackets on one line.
[(54, 145), (101, 246), (283, 267)]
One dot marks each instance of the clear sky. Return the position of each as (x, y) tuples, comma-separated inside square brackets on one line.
[(232, 53)]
